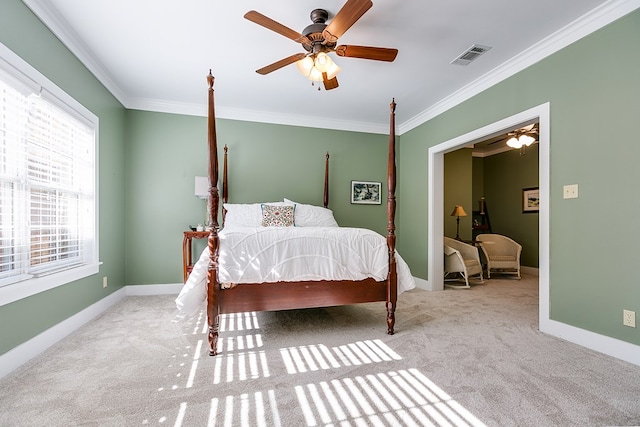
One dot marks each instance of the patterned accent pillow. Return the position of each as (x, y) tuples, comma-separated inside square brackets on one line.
[(277, 216)]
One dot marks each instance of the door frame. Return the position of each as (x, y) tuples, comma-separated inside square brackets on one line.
[(435, 228)]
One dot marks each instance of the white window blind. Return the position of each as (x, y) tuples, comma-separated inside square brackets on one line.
[(47, 184)]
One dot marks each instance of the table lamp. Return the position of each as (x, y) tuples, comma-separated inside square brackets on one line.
[(458, 211)]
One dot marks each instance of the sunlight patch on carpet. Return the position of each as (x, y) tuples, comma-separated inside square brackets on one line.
[(406, 397), (386, 396), (316, 357)]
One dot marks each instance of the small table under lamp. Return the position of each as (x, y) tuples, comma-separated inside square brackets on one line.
[(458, 211)]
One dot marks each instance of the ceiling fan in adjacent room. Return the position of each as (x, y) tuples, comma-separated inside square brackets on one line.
[(319, 39), (519, 138), (523, 137)]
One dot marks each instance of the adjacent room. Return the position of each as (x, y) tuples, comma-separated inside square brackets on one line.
[(125, 127)]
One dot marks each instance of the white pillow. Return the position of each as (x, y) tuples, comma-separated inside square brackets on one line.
[(246, 214), (243, 215), (312, 216)]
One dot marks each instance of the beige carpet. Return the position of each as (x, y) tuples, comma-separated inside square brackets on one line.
[(459, 358)]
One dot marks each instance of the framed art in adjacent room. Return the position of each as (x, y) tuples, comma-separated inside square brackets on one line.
[(366, 192), (530, 200)]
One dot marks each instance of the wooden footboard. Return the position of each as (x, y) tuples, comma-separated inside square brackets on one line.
[(292, 295)]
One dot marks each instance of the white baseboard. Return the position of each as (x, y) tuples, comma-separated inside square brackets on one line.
[(142, 290), (422, 284), (602, 344), (26, 351)]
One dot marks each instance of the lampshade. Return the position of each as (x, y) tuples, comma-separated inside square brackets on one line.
[(315, 75), (201, 187), (333, 70), (458, 211), (322, 62), (526, 139), (304, 65)]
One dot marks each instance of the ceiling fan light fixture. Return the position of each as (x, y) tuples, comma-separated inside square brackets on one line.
[(312, 67), (526, 140), (319, 39), (514, 142)]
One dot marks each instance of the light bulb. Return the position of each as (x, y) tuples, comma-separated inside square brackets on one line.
[(323, 62)]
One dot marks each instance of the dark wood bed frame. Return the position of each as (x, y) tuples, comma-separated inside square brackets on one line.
[(292, 295)]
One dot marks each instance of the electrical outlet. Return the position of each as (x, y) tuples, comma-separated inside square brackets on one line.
[(570, 191), (629, 318), (104, 282)]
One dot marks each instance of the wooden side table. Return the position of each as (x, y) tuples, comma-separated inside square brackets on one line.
[(187, 255)]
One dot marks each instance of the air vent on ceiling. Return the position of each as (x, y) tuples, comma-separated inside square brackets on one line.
[(470, 54)]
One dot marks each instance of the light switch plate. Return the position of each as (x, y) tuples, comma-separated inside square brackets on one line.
[(570, 191)]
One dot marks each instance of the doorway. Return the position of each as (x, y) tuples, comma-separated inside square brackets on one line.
[(541, 114)]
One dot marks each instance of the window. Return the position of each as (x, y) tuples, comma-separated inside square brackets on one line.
[(48, 233)]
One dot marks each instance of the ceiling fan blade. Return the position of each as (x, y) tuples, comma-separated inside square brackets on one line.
[(345, 18), (279, 64), (329, 83), (272, 25), (367, 52)]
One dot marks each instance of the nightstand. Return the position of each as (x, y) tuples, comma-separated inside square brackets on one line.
[(187, 255)]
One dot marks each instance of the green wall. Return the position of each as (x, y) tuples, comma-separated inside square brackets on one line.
[(458, 175), (505, 175), (594, 94), (25, 35), (266, 163)]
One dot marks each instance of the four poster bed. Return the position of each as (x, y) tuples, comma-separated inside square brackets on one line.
[(366, 270)]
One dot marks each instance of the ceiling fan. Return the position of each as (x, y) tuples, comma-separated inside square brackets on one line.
[(319, 39), (523, 137), (529, 131)]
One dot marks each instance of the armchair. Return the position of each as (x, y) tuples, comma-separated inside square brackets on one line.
[(462, 258), (501, 253)]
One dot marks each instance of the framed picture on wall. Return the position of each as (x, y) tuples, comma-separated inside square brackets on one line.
[(530, 200), (366, 192)]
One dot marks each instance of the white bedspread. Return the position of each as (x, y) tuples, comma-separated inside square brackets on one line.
[(275, 254)]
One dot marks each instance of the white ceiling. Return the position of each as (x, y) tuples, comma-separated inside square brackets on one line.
[(155, 55)]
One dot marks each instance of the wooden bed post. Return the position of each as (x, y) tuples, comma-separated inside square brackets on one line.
[(213, 241), (225, 185), (392, 279), (325, 199)]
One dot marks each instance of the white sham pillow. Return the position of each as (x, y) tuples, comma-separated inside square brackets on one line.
[(243, 215), (312, 216)]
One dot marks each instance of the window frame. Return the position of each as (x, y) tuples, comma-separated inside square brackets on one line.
[(23, 72)]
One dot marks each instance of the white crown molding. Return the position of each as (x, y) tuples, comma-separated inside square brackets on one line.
[(581, 27), (255, 116), (61, 28)]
